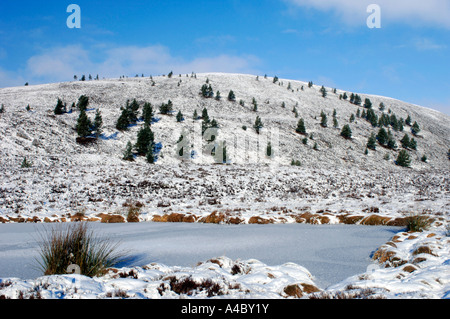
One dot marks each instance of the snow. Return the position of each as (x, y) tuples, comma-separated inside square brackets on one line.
[(335, 184)]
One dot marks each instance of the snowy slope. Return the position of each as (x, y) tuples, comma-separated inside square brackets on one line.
[(67, 178), (337, 183)]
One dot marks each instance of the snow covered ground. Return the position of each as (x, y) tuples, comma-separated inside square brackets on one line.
[(258, 261), (336, 184)]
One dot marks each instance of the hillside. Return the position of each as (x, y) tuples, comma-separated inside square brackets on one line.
[(66, 177)]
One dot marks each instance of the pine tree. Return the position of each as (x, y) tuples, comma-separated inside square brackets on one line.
[(408, 120), (382, 136), (424, 158), (310, 84), (275, 79), (323, 91), (301, 127), (346, 132), (403, 159), (83, 103), (180, 117), (231, 96), (345, 96), (324, 120), (218, 97), (166, 109), (25, 163), (405, 141), (255, 105), (352, 98), (391, 143), (382, 107), (367, 104), (258, 125), (372, 142), (147, 113), (150, 155), (145, 138), (357, 100), (170, 75), (98, 123), (205, 116), (123, 122), (415, 129), (335, 122), (352, 118), (83, 125), (269, 152), (128, 154), (60, 108), (413, 144)]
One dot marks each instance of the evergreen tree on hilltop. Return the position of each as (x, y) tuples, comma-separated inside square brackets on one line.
[(205, 116), (231, 96), (405, 141), (382, 136), (301, 127), (408, 120), (323, 91), (128, 154), (367, 104), (180, 117), (258, 125), (145, 138), (391, 143), (324, 120), (255, 105), (133, 111), (84, 125), (147, 113), (372, 142), (83, 103), (207, 91), (357, 100), (98, 123), (275, 79), (60, 108), (166, 108), (415, 129), (346, 132), (403, 159), (413, 144), (123, 122)]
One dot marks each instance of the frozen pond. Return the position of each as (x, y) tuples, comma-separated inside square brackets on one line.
[(330, 252)]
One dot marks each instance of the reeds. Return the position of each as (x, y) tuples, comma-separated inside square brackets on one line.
[(75, 244)]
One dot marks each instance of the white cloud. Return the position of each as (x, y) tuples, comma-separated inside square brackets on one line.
[(430, 12), (61, 64), (425, 44)]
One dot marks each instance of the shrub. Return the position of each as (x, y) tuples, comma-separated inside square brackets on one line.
[(75, 244), (417, 223)]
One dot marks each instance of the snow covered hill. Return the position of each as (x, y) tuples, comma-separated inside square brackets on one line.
[(336, 181), (68, 178)]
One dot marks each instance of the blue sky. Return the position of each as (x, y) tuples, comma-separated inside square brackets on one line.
[(326, 41)]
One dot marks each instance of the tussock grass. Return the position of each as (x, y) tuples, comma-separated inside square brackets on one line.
[(76, 244), (418, 223)]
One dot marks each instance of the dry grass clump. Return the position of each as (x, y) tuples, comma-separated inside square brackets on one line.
[(75, 244), (418, 223)]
